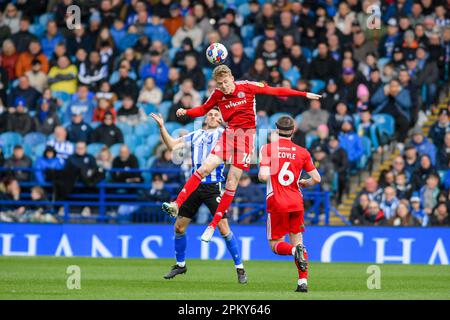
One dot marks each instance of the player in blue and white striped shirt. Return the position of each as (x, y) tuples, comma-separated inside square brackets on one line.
[(201, 142)]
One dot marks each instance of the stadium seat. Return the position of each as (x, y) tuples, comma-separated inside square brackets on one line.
[(208, 73), (147, 107), (11, 138), (317, 85), (153, 141), (37, 30), (298, 119), (179, 132), (164, 108), (307, 53), (125, 128), (38, 151), (143, 151), (63, 96), (145, 129), (172, 126), (273, 118), (356, 119), (385, 122), (247, 33), (310, 137), (45, 18), (363, 161), (34, 138), (94, 148), (244, 10), (249, 52), (115, 149), (132, 141), (117, 104), (255, 41)]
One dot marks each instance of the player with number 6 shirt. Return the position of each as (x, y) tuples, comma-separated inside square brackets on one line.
[(282, 163)]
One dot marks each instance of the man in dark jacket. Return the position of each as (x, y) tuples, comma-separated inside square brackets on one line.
[(125, 85), (341, 165), (323, 66), (19, 160), (24, 92), (126, 160), (17, 118), (78, 129), (23, 38), (439, 129), (107, 133), (46, 118), (191, 70)]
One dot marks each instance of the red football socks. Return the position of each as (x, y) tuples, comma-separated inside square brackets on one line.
[(302, 274), (283, 248), (190, 186), (225, 202)]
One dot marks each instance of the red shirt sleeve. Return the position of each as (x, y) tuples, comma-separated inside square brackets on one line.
[(261, 88), (208, 105), (308, 165)]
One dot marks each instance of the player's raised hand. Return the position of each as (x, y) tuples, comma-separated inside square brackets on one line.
[(158, 118), (181, 112), (313, 96)]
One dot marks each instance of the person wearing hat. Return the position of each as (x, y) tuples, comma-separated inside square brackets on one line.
[(17, 118), (46, 118), (423, 145), (390, 39), (398, 57), (417, 211), (78, 129), (48, 161), (439, 129)]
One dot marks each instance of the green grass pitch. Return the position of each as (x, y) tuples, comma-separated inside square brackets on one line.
[(45, 278)]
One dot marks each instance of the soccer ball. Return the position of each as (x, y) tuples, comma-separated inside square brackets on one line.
[(216, 53)]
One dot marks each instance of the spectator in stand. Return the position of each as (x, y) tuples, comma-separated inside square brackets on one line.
[(323, 66), (373, 215), (81, 104), (104, 158), (105, 91), (325, 166), (17, 119), (357, 212), (172, 85), (78, 129), (257, 72), (269, 53), (336, 119), (150, 93), (247, 193), (23, 37), (157, 31), (420, 175), (104, 106), (411, 159), (25, 93), (63, 77), (288, 71), (130, 113), (156, 69), (12, 17), (439, 129), (191, 70), (63, 147), (126, 85), (51, 39), (331, 96), (11, 213), (79, 39), (339, 158), (322, 139), (403, 217), (46, 118), (164, 162), (158, 194), (187, 87), (37, 78), (389, 40), (396, 101), (107, 133), (429, 193), (189, 29), (351, 143), (427, 75), (313, 117), (423, 145), (24, 62), (443, 154), (349, 88), (417, 211), (93, 71), (47, 163), (19, 160), (175, 21), (366, 126), (185, 103), (126, 160), (9, 58), (440, 216), (238, 61)]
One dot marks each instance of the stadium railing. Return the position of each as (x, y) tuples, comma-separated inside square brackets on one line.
[(110, 198)]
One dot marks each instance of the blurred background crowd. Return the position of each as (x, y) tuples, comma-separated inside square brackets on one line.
[(75, 94)]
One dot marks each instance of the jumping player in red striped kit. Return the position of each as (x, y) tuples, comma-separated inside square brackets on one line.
[(236, 102), (281, 165)]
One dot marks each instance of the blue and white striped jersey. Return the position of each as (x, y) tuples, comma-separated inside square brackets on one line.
[(201, 143)]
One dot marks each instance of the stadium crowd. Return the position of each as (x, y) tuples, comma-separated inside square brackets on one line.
[(74, 100)]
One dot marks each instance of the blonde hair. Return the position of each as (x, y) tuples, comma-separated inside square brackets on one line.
[(221, 71)]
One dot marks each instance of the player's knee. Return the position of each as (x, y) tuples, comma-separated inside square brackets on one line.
[(224, 228), (204, 170), (180, 229)]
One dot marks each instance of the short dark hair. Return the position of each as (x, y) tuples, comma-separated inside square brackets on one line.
[(285, 125)]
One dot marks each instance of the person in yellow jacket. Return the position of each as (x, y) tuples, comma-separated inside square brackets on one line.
[(63, 76)]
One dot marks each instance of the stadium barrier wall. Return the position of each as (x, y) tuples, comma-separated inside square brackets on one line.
[(325, 244)]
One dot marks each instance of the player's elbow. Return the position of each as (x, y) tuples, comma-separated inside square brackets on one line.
[(317, 179), (263, 177)]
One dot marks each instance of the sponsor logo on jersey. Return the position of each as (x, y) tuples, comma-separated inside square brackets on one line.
[(294, 148), (241, 94), (232, 104)]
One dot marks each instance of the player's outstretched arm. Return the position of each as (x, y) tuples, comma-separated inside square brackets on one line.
[(313, 180), (285, 92), (204, 108), (170, 142)]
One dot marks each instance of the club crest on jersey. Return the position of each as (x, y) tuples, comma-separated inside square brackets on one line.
[(241, 94)]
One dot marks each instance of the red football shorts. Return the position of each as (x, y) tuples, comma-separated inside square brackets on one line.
[(281, 224), (236, 147)]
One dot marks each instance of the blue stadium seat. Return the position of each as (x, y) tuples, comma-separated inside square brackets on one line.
[(172, 126), (11, 138), (356, 119), (143, 151), (298, 119), (45, 18), (132, 141), (64, 96), (148, 107), (307, 53), (244, 10), (94, 148), (146, 128), (164, 108), (179, 132), (367, 145), (115, 149), (125, 128), (208, 73), (374, 138), (117, 104), (273, 118), (34, 138), (249, 52), (247, 33), (310, 137), (385, 122), (317, 85), (255, 41), (38, 151), (37, 30), (153, 141)]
